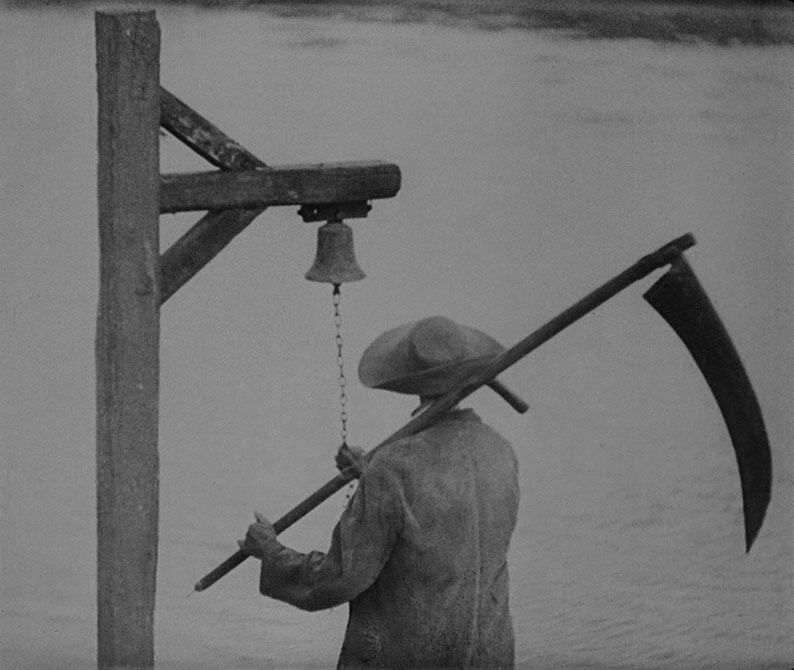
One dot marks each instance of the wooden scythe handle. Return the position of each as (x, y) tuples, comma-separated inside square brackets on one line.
[(643, 267)]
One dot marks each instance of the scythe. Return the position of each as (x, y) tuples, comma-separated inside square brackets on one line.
[(678, 297), (681, 301)]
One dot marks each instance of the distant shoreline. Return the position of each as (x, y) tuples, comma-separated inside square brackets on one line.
[(717, 22)]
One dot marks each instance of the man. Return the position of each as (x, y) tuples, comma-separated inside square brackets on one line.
[(420, 552)]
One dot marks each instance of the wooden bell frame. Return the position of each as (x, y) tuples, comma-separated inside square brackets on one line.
[(136, 279)]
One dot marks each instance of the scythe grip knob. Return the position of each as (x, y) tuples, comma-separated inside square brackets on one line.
[(672, 250)]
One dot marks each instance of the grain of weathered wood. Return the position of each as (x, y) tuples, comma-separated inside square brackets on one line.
[(203, 137), (280, 185), (127, 337)]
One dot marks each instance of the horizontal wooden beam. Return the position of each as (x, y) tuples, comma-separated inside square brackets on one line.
[(279, 185)]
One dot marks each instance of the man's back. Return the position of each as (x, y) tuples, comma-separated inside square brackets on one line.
[(441, 599)]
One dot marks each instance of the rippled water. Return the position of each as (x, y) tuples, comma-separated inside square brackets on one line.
[(535, 166)]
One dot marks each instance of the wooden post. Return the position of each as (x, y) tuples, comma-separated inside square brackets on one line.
[(127, 337)]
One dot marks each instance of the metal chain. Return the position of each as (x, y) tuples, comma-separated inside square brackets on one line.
[(340, 362)]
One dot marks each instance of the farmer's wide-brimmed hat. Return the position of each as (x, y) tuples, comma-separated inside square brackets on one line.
[(427, 357)]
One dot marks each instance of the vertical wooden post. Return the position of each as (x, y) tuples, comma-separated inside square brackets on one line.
[(127, 337)]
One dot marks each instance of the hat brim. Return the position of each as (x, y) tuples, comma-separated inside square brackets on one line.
[(387, 363)]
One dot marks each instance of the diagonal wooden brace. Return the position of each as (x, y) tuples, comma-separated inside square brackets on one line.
[(199, 245), (209, 142)]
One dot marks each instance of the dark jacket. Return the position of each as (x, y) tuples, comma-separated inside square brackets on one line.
[(420, 553)]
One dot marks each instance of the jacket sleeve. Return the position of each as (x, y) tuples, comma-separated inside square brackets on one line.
[(361, 543)]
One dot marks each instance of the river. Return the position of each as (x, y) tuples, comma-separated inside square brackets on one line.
[(536, 164)]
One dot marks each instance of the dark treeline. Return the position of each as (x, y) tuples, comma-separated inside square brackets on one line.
[(720, 22)]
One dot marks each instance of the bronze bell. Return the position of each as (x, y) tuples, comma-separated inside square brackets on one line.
[(335, 262)]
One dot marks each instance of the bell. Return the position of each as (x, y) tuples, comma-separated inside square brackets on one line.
[(335, 262)]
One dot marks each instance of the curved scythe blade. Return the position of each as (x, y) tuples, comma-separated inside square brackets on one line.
[(682, 302)]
